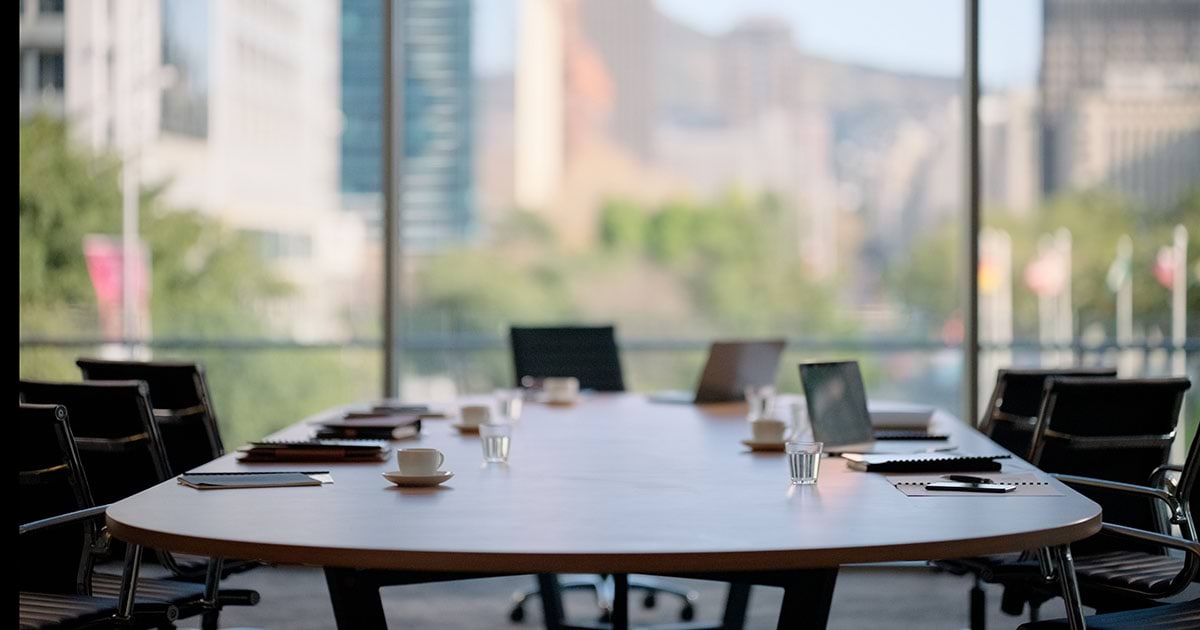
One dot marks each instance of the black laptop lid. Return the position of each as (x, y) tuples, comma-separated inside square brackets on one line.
[(733, 365), (837, 402)]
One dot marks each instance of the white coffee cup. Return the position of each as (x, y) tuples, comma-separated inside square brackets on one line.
[(768, 429), (561, 389), (475, 415), (419, 461)]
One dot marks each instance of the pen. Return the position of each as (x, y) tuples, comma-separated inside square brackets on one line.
[(967, 479)]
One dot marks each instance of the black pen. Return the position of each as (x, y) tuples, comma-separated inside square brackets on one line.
[(967, 479)]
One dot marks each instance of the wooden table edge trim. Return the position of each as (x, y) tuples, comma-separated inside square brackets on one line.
[(640, 562)]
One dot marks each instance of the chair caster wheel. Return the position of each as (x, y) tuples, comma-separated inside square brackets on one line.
[(650, 601), (687, 613), (517, 614)]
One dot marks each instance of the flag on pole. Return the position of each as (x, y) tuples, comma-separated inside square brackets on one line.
[(1164, 266), (1047, 274)]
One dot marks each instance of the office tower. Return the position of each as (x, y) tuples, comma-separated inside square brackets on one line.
[(360, 169), (1120, 80), (43, 49), (436, 87), (1009, 131), (540, 103), (621, 34)]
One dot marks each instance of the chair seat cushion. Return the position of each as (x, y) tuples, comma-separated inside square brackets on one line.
[(48, 610), (186, 595), (1144, 572), (1172, 616)]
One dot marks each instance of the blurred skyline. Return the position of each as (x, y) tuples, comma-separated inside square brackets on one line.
[(1011, 33)]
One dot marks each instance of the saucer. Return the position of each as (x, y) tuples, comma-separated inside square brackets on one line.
[(756, 445), (466, 429), (417, 481)]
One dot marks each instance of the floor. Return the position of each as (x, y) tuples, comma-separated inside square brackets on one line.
[(866, 597)]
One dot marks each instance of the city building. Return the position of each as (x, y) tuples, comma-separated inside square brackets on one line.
[(436, 87), (1089, 47)]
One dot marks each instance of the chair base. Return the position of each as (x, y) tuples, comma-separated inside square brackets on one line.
[(604, 588)]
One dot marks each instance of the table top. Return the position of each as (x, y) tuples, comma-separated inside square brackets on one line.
[(615, 484)]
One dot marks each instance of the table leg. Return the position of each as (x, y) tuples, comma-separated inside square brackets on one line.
[(620, 604), (1065, 565), (806, 599), (355, 599), (736, 602), (552, 606)]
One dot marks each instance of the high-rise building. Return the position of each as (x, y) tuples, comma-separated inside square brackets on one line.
[(437, 200), (43, 50), (1089, 49)]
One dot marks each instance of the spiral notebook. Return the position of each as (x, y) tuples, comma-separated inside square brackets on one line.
[(923, 463), (1028, 485), (272, 479)]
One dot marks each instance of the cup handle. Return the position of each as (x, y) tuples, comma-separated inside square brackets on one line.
[(441, 460)]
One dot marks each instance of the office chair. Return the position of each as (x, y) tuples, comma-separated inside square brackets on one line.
[(60, 533), (589, 354), (1138, 579), (187, 422), (1115, 412), (121, 453), (1012, 413)]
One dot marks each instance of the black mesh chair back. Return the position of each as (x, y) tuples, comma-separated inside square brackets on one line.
[(1011, 415), (55, 559), (115, 433), (1112, 429), (181, 402), (586, 353)]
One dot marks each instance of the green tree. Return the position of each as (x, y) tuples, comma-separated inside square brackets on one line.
[(207, 281)]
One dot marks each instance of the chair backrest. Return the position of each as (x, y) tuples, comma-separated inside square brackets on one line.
[(1114, 429), (181, 402), (56, 559), (586, 353), (1011, 415), (115, 433)]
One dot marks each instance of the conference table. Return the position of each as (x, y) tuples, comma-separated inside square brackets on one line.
[(615, 484)]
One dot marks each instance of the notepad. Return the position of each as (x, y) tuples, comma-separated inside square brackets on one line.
[(1027, 484), (315, 450), (923, 463), (272, 479)]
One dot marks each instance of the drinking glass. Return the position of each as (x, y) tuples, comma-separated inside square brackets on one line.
[(495, 439), (760, 401), (804, 460), (509, 402)]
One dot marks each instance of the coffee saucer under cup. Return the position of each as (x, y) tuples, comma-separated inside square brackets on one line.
[(766, 445), (466, 429), (418, 481)]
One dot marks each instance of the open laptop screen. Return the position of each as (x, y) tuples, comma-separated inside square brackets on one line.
[(837, 402)]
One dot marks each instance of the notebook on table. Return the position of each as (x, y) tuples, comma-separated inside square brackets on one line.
[(730, 368), (272, 479), (315, 450), (933, 463), (373, 427), (838, 413)]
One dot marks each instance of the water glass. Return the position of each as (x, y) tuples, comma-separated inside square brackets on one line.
[(495, 439), (804, 460), (509, 403), (760, 401)]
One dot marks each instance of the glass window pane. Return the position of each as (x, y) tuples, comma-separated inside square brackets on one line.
[(1091, 175), (687, 171), (206, 140)]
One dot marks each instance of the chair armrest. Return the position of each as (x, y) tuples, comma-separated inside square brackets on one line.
[(1153, 493), (1188, 546), (62, 519)]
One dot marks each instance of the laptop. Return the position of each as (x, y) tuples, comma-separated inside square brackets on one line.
[(838, 414), (731, 366)]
